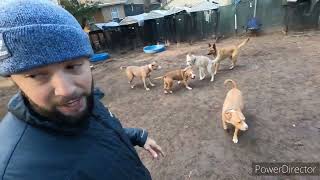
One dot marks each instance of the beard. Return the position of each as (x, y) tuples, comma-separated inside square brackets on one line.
[(54, 115)]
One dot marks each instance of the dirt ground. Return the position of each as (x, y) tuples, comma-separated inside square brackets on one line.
[(279, 77)]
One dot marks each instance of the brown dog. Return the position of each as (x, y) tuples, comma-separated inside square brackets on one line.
[(178, 75), (232, 110), (231, 52), (141, 71)]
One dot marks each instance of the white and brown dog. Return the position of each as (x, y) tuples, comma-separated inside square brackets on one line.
[(178, 75), (231, 52), (140, 71), (204, 64), (232, 111)]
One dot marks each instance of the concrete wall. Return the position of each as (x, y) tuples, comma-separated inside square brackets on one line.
[(98, 17), (106, 12)]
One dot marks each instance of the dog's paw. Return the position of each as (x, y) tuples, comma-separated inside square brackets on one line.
[(170, 92), (152, 85), (189, 88), (179, 82), (132, 87), (235, 140), (148, 89), (231, 67), (212, 79), (166, 92)]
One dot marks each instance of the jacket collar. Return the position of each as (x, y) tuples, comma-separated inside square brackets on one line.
[(19, 108)]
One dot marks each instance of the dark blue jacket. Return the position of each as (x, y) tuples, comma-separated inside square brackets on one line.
[(36, 149)]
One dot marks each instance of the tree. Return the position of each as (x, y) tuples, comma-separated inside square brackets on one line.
[(82, 12)]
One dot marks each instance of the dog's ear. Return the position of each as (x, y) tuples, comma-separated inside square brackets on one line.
[(214, 45), (209, 45), (242, 117), (228, 115), (185, 69)]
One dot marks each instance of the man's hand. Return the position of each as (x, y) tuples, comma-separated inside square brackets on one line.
[(153, 148)]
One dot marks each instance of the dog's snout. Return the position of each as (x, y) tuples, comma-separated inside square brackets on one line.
[(245, 127)]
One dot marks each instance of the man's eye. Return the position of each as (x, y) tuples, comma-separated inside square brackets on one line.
[(74, 66), (37, 76)]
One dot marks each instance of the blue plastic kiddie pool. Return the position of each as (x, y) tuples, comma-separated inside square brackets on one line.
[(99, 57), (154, 49)]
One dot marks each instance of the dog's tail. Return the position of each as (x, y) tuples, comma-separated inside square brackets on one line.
[(243, 43), (232, 81), (160, 77), (123, 67)]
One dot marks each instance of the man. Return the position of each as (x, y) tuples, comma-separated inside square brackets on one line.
[(56, 127)]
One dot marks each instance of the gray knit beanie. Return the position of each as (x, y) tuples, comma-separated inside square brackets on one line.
[(34, 33)]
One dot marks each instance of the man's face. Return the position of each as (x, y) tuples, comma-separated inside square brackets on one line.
[(59, 91)]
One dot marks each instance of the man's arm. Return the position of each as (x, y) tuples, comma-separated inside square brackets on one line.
[(140, 137), (137, 136)]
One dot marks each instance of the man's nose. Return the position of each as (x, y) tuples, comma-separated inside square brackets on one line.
[(62, 84)]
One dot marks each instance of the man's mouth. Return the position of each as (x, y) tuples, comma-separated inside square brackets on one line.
[(73, 106)]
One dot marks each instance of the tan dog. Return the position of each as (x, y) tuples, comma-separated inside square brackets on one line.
[(178, 75), (141, 71), (231, 52), (232, 110)]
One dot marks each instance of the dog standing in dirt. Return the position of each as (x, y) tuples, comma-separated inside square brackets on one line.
[(204, 64), (232, 110), (178, 75), (142, 72), (231, 52)]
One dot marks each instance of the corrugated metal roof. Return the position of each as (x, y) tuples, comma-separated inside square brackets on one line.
[(186, 3), (155, 14), (141, 2), (107, 25), (204, 6), (192, 5), (133, 19), (134, 1), (112, 3)]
